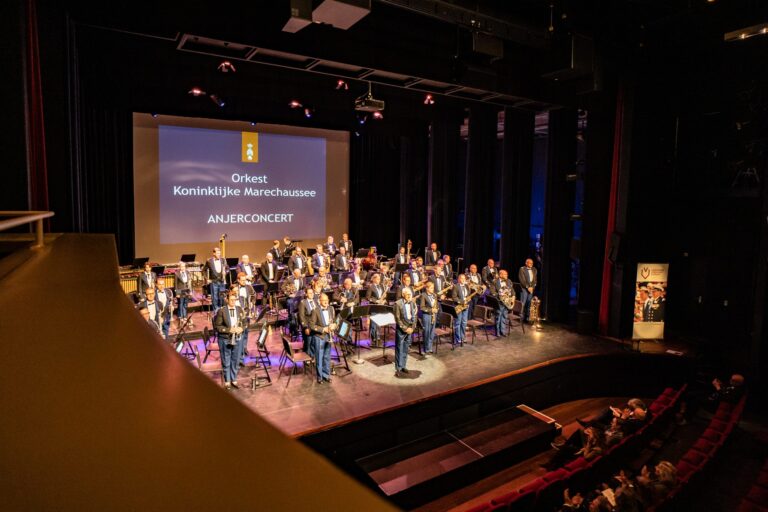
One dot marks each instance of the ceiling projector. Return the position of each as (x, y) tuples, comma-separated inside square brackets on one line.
[(367, 103)]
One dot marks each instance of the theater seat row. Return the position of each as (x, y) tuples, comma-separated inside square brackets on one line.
[(546, 492)]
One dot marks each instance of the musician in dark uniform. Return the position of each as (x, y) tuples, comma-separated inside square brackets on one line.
[(298, 261), (490, 272), (144, 312), (289, 246), (414, 274), (154, 310), (346, 243), (440, 284), (320, 259), (459, 296), (376, 294), (330, 247), (658, 304), (474, 281), (346, 295), (448, 268), (164, 297), (246, 296), (528, 280), (432, 255), (183, 291), (268, 270), (217, 269), (322, 325), (228, 323), (307, 305), (341, 262), (404, 285), (146, 279), (245, 266), (358, 276), (501, 288), (400, 259), (406, 313), (277, 253), (429, 307)]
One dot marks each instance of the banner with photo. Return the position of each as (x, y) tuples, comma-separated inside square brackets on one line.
[(650, 301)]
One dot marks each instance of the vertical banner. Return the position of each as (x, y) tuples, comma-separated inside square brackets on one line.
[(650, 301)]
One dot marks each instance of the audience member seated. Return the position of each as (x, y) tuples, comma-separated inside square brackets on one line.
[(656, 486), (588, 443), (630, 418), (710, 397)]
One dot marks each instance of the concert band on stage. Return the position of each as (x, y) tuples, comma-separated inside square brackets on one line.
[(320, 290)]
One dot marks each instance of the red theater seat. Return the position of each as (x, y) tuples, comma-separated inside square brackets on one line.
[(720, 426), (695, 457), (557, 474), (505, 498), (576, 464), (534, 486), (704, 446), (685, 470), (712, 436), (483, 507), (669, 392), (748, 506)]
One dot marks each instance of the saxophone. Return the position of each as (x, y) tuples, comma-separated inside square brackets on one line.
[(507, 297), (462, 307), (434, 310)]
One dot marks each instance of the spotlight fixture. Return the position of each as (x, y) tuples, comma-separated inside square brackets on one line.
[(309, 112), (342, 85), (295, 104), (746, 33), (367, 103), (362, 118), (226, 67), (154, 114), (429, 100), (253, 123), (378, 115), (217, 100), (196, 91)]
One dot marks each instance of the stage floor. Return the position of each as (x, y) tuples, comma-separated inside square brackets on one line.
[(305, 406)]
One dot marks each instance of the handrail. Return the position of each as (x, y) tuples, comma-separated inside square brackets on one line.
[(26, 217)]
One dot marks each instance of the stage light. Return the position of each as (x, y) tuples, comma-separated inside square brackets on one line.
[(429, 100), (378, 116), (218, 101), (154, 115), (253, 123), (746, 33), (295, 104), (362, 118), (342, 85), (196, 91), (309, 112), (226, 67)]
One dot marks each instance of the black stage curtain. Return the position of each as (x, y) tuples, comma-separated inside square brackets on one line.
[(556, 270), (481, 184), (442, 210), (98, 182), (516, 188)]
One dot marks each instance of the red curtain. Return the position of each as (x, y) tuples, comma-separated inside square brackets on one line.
[(605, 292), (36, 160)]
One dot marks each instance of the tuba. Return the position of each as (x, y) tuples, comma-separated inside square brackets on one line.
[(507, 297)]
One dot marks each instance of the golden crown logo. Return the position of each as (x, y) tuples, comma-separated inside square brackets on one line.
[(250, 147)]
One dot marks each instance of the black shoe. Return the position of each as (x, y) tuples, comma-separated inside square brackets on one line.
[(319, 381), (328, 380), (404, 370), (234, 385)]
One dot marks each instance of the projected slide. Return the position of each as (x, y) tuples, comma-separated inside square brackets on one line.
[(195, 179), (249, 185)]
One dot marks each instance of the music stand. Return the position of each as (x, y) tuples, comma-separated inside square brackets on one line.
[(362, 253), (340, 353), (139, 262), (232, 262), (359, 312), (188, 258), (262, 357), (311, 252), (159, 270), (402, 267), (383, 316)]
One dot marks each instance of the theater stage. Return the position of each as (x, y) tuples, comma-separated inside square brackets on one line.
[(304, 407)]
